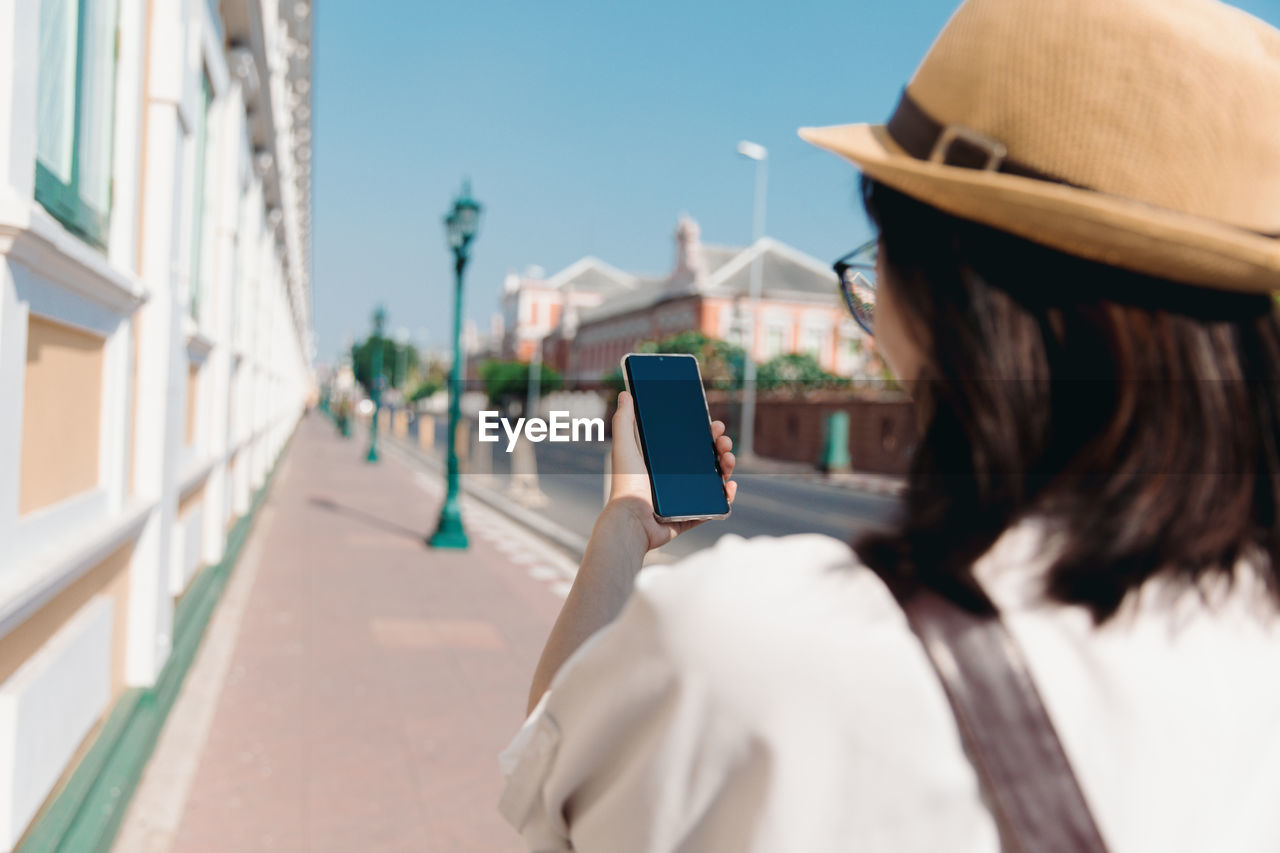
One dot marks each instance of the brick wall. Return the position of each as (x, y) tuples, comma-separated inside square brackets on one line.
[(882, 430)]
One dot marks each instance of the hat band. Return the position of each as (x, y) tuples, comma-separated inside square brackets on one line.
[(925, 138)]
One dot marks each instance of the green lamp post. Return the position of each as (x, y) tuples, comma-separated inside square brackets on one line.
[(375, 392), (461, 225)]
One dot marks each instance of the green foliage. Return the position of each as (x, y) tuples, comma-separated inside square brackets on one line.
[(425, 389), (795, 372), (505, 381), (888, 382), (721, 362), (399, 361), (614, 382), (430, 377)]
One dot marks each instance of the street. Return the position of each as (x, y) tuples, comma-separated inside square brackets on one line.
[(768, 504)]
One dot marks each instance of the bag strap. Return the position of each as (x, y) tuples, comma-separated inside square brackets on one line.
[(1035, 797)]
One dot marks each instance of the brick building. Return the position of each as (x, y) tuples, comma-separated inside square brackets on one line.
[(533, 305), (591, 314)]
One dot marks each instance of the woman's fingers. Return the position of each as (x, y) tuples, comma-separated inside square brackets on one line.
[(624, 413), (630, 477)]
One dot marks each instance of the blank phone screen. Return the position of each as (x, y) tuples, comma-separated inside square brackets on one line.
[(675, 435)]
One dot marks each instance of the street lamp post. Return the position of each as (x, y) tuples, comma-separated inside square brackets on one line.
[(746, 438), (375, 392), (461, 225), (402, 359), (534, 396)]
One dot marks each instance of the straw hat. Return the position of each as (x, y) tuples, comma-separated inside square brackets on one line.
[(1144, 134)]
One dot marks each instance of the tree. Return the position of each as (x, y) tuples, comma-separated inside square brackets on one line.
[(796, 372), (430, 377), (721, 362), (507, 381), (426, 388), (398, 361)]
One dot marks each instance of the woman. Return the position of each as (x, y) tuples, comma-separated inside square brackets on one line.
[(1078, 205)]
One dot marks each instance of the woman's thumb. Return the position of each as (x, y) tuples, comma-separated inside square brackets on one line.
[(625, 414)]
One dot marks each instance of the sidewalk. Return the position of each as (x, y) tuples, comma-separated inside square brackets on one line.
[(355, 687)]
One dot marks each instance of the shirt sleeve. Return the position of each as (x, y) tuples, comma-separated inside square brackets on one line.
[(629, 750)]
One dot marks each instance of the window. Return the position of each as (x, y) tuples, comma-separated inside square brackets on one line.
[(75, 106), (199, 210), (815, 342), (774, 341)]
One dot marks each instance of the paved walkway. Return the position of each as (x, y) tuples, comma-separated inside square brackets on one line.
[(355, 687)]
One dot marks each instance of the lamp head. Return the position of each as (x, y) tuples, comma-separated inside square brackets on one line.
[(753, 151), (463, 221)]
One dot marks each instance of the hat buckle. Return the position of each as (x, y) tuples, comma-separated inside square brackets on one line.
[(994, 150)]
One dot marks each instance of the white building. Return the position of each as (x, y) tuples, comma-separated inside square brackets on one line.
[(155, 341), (534, 306)]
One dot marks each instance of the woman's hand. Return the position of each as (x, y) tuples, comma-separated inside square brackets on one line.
[(624, 532), (629, 488)]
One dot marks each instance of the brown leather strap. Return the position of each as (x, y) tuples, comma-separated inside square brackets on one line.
[(1036, 800), (922, 136), (918, 133)]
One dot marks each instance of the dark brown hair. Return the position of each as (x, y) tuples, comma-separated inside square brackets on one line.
[(1138, 415)]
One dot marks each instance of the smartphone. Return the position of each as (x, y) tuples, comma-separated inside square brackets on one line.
[(673, 426)]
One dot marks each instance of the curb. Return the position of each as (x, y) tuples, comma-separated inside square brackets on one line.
[(875, 484), (86, 814)]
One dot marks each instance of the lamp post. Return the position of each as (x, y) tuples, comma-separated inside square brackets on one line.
[(375, 392), (524, 462), (402, 359), (461, 225), (746, 438), (534, 396)]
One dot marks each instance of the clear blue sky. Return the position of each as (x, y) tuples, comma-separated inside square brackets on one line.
[(586, 127)]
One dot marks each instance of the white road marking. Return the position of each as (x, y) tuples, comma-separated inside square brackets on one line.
[(544, 573)]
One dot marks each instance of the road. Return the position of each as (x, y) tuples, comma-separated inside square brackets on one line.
[(571, 475)]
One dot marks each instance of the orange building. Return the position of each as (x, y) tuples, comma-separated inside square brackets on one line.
[(591, 314), (533, 305)]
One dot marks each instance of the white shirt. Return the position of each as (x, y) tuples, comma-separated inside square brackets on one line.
[(767, 695)]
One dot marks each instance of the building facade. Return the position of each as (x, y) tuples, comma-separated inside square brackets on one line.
[(589, 315), (155, 338), (534, 305)]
